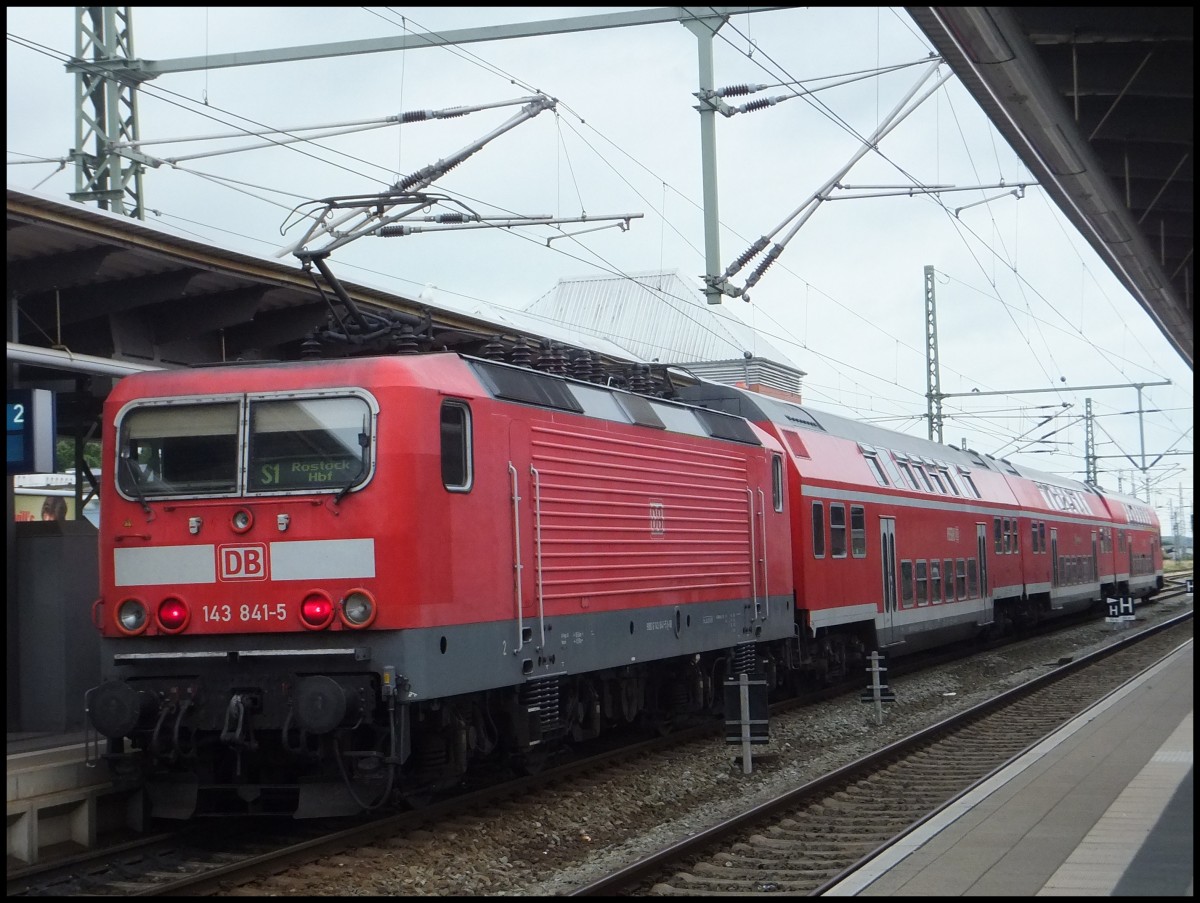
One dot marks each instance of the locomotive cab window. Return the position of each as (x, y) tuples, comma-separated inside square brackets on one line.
[(179, 449), (306, 444)]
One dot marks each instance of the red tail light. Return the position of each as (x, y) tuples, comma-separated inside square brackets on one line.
[(316, 611), (173, 614)]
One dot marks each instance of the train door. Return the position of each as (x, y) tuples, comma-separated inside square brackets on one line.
[(1095, 558), (1054, 555), (981, 545), (887, 547)]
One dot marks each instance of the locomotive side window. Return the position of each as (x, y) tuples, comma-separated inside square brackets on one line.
[(972, 578), (922, 582), (818, 529), (456, 446), (308, 443), (906, 584), (858, 531), (935, 581), (777, 482), (185, 449), (837, 530), (961, 578), (948, 578)]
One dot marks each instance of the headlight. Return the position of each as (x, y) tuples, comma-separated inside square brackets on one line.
[(357, 609), (131, 616)]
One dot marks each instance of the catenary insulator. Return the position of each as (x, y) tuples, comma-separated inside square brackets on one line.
[(552, 359), (493, 349), (310, 348), (522, 354), (405, 342)]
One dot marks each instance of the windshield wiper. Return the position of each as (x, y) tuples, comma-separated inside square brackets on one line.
[(135, 479), (364, 440)]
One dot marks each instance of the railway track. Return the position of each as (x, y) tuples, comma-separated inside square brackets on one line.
[(208, 856), (812, 837), (215, 856)]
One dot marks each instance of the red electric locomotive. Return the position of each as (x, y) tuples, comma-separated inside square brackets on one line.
[(326, 585)]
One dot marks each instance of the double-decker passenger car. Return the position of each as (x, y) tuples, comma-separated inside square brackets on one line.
[(902, 543)]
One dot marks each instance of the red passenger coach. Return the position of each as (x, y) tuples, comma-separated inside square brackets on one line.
[(1135, 543), (326, 585), (903, 544)]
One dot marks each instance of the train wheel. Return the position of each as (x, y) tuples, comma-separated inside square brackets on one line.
[(531, 761), (629, 701), (419, 797)]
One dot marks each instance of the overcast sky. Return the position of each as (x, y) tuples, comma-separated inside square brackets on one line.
[(1022, 301)]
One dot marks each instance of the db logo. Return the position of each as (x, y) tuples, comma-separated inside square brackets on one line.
[(243, 562)]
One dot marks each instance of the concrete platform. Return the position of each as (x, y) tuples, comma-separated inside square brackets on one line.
[(58, 803), (1104, 807)]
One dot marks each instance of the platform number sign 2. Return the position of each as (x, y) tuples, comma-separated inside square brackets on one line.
[(30, 428)]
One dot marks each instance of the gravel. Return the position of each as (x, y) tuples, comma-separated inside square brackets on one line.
[(562, 839)]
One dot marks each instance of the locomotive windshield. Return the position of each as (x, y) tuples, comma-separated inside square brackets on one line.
[(315, 443), (179, 450), (287, 445)]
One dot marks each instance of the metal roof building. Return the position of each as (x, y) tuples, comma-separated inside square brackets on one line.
[(661, 317)]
